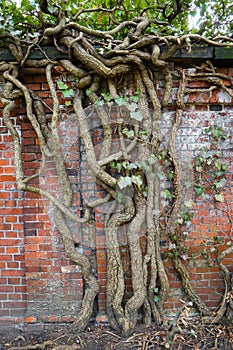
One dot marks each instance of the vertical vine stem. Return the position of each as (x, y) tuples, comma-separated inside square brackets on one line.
[(173, 224)]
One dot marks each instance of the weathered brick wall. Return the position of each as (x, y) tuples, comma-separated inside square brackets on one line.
[(38, 282), (12, 260)]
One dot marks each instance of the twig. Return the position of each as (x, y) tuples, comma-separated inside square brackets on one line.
[(111, 333)]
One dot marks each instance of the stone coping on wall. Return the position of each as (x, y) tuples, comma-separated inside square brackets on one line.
[(220, 56)]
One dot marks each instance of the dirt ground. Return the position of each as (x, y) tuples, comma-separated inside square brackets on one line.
[(189, 336)]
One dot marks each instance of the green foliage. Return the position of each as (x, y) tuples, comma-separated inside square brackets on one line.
[(214, 17), (66, 91), (19, 20), (167, 17), (217, 133), (210, 168), (156, 296)]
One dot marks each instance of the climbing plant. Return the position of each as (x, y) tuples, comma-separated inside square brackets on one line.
[(118, 54)]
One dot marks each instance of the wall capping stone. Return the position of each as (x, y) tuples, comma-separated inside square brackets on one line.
[(220, 56)]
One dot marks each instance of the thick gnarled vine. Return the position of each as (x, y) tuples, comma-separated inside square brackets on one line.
[(115, 76)]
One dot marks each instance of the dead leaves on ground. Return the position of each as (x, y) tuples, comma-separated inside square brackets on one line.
[(192, 336)]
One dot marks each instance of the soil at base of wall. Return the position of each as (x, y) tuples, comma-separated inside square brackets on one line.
[(191, 335)]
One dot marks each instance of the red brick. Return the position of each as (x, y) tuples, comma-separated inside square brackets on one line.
[(15, 281), (12, 272), (198, 84), (6, 289), (34, 86), (30, 319), (12, 265), (4, 163), (15, 304), (7, 178), (35, 255)]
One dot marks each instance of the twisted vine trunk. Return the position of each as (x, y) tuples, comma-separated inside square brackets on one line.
[(173, 223)]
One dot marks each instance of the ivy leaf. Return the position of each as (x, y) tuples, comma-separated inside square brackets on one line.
[(132, 107), (132, 166), (137, 116), (137, 180), (156, 298), (135, 98), (206, 197), (68, 103), (119, 167), (61, 85), (128, 133), (199, 169), (219, 197), (121, 101), (124, 181), (68, 92), (217, 165), (189, 204), (166, 194), (224, 167), (143, 134), (112, 164), (107, 96), (100, 103), (221, 183), (199, 190)]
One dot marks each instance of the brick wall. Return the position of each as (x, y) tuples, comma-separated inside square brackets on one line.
[(12, 260), (38, 282)]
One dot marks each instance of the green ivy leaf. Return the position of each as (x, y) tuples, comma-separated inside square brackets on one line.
[(137, 180), (132, 107), (124, 181), (221, 183), (68, 103), (107, 96), (112, 164), (143, 134), (156, 298), (61, 85), (128, 133), (219, 197), (100, 103), (189, 204), (119, 167), (166, 194), (199, 169), (199, 190), (68, 92), (132, 166), (218, 165), (135, 98), (121, 101), (137, 116), (224, 167)]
